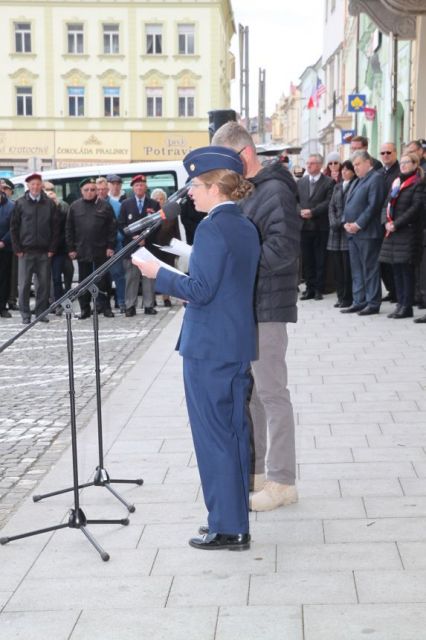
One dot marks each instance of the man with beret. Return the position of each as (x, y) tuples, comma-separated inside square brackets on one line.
[(6, 208), (115, 184), (133, 209), (34, 229), (90, 236)]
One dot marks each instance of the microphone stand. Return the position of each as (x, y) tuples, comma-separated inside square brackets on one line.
[(77, 518)]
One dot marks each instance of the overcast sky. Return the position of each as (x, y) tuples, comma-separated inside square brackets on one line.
[(285, 36)]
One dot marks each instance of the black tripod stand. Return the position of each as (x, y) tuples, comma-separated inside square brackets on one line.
[(101, 478), (77, 519)]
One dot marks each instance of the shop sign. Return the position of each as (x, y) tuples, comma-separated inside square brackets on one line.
[(99, 146), (164, 145)]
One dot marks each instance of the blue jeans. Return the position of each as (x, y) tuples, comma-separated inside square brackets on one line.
[(61, 265)]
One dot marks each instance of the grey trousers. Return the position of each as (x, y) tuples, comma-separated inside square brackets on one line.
[(271, 411), (29, 265), (133, 276)]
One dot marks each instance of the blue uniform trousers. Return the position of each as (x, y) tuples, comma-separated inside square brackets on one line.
[(216, 394)]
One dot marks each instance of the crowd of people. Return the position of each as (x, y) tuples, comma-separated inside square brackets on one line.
[(369, 217)]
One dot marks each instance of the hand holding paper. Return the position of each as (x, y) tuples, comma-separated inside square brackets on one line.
[(148, 264)]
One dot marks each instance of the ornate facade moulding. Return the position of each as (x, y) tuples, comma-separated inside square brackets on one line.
[(391, 16)]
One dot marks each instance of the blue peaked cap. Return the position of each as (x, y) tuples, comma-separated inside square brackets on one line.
[(210, 158)]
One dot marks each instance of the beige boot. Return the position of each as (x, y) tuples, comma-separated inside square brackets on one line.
[(273, 495), (257, 481)]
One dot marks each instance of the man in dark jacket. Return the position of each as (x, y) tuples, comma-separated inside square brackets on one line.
[(6, 208), (34, 229), (389, 171), (133, 209), (361, 218), (315, 191), (272, 207), (90, 233)]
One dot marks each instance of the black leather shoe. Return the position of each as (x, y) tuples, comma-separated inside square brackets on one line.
[(131, 311), (354, 308), (308, 295), (84, 315), (368, 311), (345, 304), (108, 313), (12, 306), (4, 313), (421, 320), (213, 541), (26, 320), (388, 298), (337, 304), (318, 296), (404, 312), (150, 311), (45, 319), (394, 312)]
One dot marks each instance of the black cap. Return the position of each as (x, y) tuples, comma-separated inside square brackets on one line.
[(87, 181), (8, 183)]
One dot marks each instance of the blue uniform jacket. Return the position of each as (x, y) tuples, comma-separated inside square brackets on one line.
[(219, 319), (5, 215), (364, 205)]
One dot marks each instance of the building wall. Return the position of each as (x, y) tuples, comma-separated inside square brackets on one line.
[(51, 71)]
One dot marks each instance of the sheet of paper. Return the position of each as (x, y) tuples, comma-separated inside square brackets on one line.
[(177, 248), (143, 255)]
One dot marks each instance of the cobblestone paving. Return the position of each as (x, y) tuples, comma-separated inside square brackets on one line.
[(34, 406)]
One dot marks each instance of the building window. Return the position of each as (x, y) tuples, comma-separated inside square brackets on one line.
[(154, 39), (75, 101), (22, 37), (186, 39), (75, 38), (111, 38), (111, 102), (154, 103), (186, 102), (24, 101)]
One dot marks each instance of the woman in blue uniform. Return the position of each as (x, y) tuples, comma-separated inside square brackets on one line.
[(218, 340)]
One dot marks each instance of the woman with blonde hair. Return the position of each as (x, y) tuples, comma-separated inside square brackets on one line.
[(218, 340), (402, 245)]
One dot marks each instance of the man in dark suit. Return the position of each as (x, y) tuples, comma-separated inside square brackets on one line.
[(135, 208), (361, 217), (389, 171), (315, 191)]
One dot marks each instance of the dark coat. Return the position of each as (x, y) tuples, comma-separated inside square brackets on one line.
[(5, 217), (129, 213), (389, 176), (364, 205), (272, 207), (90, 229), (168, 230), (34, 226), (317, 202), (190, 218), (337, 240), (404, 245)]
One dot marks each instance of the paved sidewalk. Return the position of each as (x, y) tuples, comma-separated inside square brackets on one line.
[(348, 561)]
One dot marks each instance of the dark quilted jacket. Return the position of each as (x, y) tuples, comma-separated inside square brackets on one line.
[(272, 207)]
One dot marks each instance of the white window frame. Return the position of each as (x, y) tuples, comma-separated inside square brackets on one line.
[(23, 37), (76, 102), (112, 102), (186, 39), (75, 38), (153, 39), (154, 102), (111, 38), (24, 101), (186, 102)]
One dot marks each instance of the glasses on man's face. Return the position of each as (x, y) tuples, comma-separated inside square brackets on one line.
[(386, 153)]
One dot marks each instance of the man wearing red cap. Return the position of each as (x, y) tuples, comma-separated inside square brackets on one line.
[(34, 229), (135, 208)]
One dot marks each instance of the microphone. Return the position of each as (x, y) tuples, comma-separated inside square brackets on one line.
[(170, 211), (179, 195)]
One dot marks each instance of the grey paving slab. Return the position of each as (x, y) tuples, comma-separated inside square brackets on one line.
[(297, 587), (391, 586), (387, 507), (168, 535), (338, 557), (160, 513), (325, 455), (212, 590), (252, 623), (358, 470), (335, 442), (312, 508), (375, 530), (291, 531), (372, 487), (391, 454), (318, 488), (142, 622), (93, 592), (357, 622), (413, 486), (38, 625)]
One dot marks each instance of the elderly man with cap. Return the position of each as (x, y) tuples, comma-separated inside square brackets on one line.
[(34, 229), (6, 255), (133, 209), (115, 184), (90, 236), (218, 340)]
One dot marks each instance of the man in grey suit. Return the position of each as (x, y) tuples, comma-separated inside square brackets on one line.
[(361, 218)]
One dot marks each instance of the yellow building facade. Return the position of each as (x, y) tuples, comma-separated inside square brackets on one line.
[(112, 80)]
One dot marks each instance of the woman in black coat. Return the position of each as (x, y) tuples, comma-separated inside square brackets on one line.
[(402, 245), (337, 242)]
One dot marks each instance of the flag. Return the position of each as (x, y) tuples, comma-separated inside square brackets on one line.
[(311, 103), (316, 94)]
